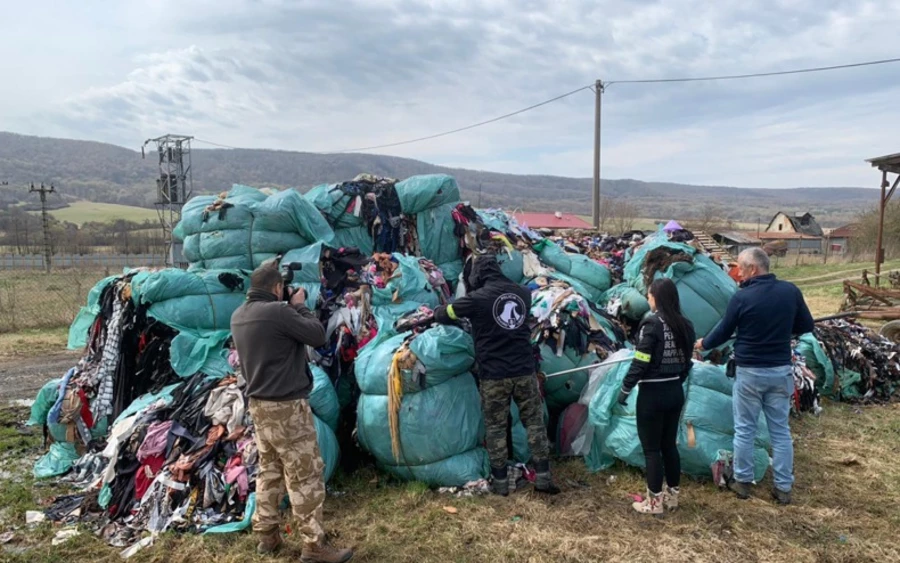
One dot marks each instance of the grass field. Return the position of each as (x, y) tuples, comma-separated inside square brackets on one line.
[(847, 503), (34, 300), (82, 212)]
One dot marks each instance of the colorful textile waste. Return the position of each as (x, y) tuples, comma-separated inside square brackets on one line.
[(851, 362), (569, 334)]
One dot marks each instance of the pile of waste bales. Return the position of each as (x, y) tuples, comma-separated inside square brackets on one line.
[(151, 426)]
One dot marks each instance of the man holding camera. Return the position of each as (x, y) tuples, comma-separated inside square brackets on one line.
[(271, 336)]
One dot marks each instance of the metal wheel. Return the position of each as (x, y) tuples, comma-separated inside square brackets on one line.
[(891, 331)]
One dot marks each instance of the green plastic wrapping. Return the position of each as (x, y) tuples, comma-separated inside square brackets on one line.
[(437, 239), (512, 265), (57, 461), (563, 390), (820, 364), (410, 286), (445, 352), (199, 306), (255, 228), (310, 276), (332, 202), (84, 320), (708, 409), (577, 266), (634, 305), (356, 237), (437, 427), (703, 287), (323, 399), (419, 193), (242, 524)]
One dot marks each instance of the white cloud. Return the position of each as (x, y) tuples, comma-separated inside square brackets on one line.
[(326, 76)]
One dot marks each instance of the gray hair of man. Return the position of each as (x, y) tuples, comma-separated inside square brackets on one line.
[(756, 258)]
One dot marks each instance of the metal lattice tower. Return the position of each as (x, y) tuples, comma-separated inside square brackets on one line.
[(48, 251), (174, 186)]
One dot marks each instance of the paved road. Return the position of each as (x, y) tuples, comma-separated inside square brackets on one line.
[(22, 378)]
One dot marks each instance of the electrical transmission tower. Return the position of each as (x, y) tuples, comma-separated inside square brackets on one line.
[(174, 187), (44, 191)]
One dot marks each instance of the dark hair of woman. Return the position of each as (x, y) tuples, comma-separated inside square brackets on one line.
[(668, 307)]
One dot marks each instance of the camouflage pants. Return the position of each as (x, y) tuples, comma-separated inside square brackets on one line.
[(495, 398), (288, 454)]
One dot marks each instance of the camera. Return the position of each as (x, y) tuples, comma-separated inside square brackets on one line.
[(287, 276)]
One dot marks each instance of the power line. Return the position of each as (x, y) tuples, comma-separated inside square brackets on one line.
[(590, 87), (215, 144), (754, 75), (472, 126)]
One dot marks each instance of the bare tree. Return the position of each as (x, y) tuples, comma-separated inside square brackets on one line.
[(623, 215)]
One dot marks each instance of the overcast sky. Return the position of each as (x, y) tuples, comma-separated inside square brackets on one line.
[(341, 74)]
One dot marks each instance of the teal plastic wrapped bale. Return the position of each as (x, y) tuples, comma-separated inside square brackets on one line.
[(328, 447), (332, 202), (248, 228), (355, 237), (309, 277), (441, 430), (81, 326), (707, 411), (563, 390), (437, 239), (840, 384), (441, 427), (418, 193), (444, 351), (631, 304), (578, 266), (323, 399), (408, 285), (199, 305), (512, 264), (703, 287)]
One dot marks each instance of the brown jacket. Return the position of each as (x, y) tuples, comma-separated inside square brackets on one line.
[(271, 338)]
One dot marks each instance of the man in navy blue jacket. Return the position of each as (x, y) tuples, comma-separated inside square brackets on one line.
[(766, 313)]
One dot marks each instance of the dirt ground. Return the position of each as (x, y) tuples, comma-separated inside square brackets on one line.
[(22, 377)]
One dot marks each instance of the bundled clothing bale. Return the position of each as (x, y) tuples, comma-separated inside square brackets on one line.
[(420, 412), (569, 334), (703, 287), (706, 428), (590, 273), (244, 227), (365, 213), (852, 363)]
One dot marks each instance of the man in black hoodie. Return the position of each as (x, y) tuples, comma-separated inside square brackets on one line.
[(498, 310)]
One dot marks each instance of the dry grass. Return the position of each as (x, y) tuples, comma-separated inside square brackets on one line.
[(846, 510), (32, 300), (32, 343)]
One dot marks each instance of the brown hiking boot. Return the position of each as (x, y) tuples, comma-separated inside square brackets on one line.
[(269, 543), (324, 553)]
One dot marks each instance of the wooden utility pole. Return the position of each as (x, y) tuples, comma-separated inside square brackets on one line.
[(595, 200), (44, 191)]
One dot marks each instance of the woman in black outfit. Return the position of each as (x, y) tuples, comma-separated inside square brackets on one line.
[(661, 364)]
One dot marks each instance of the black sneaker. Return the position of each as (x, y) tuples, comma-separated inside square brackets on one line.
[(741, 490), (781, 497)]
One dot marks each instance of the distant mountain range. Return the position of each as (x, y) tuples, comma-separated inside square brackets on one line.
[(107, 173)]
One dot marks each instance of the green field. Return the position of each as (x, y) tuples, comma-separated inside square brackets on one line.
[(82, 212)]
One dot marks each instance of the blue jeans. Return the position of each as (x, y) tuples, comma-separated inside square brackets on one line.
[(769, 390)]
